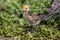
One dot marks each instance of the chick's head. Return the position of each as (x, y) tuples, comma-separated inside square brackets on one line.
[(26, 8)]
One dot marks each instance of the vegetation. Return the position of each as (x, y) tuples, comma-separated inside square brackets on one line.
[(13, 25)]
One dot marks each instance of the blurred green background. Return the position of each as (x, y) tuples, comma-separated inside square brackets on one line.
[(13, 25)]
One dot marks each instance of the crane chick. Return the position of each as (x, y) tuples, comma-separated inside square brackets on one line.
[(31, 17)]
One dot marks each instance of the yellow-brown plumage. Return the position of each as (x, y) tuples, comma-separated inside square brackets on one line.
[(31, 17)]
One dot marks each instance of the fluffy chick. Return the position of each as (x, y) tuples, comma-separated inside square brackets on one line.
[(31, 17)]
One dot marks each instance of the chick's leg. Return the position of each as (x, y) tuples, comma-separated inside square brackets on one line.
[(34, 28)]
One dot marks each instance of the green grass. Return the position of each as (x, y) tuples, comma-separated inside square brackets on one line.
[(13, 25)]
